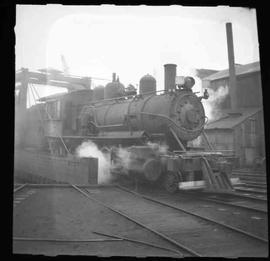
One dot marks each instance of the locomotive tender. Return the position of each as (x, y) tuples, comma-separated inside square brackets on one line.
[(115, 117)]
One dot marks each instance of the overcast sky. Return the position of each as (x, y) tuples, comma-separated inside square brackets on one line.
[(132, 41)]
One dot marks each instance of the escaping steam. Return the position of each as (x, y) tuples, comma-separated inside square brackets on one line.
[(159, 148), (212, 104), (124, 159), (89, 149), (119, 159)]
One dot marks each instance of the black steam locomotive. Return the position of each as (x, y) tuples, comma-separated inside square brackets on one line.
[(115, 117)]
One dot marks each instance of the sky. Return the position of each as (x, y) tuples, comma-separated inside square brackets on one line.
[(132, 41)]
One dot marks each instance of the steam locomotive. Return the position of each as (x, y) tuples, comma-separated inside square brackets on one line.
[(115, 117)]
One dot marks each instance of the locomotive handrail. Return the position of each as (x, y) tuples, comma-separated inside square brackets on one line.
[(106, 126), (169, 119), (178, 140)]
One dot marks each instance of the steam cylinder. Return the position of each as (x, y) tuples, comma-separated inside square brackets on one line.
[(148, 84), (143, 161), (183, 112), (169, 76)]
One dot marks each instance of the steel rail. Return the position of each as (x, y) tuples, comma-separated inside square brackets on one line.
[(254, 177), (181, 246), (234, 205), (251, 190), (20, 187), (240, 195), (64, 240), (232, 194), (197, 215), (66, 185), (140, 242), (254, 184), (228, 203)]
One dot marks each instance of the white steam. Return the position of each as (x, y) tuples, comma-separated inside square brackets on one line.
[(216, 97), (212, 104), (89, 149), (124, 159), (159, 148)]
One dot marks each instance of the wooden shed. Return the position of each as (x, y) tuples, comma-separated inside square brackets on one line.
[(241, 131)]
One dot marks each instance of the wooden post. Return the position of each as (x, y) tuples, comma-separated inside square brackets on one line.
[(21, 107), (23, 90)]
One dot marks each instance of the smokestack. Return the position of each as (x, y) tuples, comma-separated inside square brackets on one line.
[(232, 81), (114, 77), (169, 76)]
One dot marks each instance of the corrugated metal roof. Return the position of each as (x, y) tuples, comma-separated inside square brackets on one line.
[(239, 70), (230, 119)]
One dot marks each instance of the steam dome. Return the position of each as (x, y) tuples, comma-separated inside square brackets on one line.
[(114, 89), (147, 84)]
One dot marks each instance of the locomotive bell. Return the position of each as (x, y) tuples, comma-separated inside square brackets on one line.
[(189, 82)]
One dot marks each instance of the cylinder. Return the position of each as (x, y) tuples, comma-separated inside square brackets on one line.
[(169, 76), (143, 161)]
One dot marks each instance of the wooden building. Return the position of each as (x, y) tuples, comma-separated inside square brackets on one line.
[(248, 81), (240, 130)]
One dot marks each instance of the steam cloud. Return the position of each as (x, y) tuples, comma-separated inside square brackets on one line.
[(89, 149), (159, 148), (123, 156), (212, 104), (124, 159)]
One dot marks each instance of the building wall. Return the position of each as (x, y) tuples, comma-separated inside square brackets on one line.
[(58, 169), (249, 90), (245, 139), (221, 139), (70, 108)]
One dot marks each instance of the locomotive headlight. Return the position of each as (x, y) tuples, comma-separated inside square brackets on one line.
[(189, 82)]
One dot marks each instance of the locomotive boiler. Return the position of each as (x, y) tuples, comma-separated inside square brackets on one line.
[(177, 111)]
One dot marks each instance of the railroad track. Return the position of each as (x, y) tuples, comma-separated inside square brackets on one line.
[(241, 201), (188, 237), (252, 191), (109, 237), (182, 247), (177, 233), (263, 212), (251, 179), (255, 185)]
